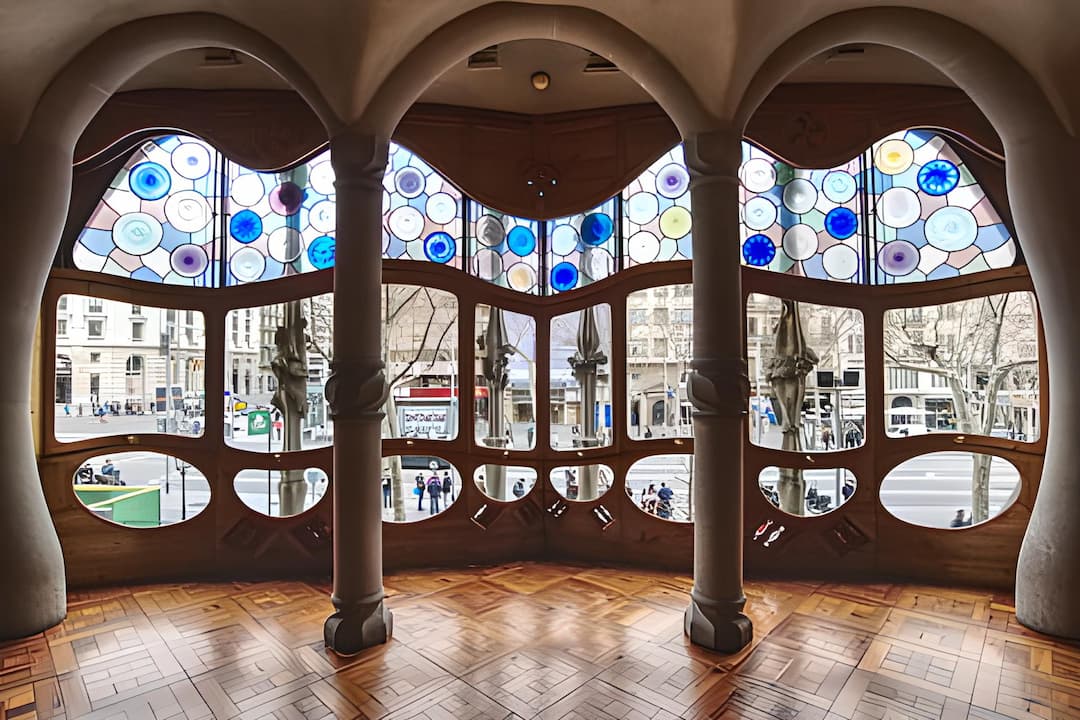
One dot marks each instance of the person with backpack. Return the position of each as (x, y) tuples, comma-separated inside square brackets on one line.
[(664, 497), (419, 492), (434, 488), (519, 488), (447, 489)]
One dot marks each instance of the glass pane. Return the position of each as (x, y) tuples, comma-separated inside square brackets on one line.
[(807, 492), (504, 482), (970, 367), (663, 485), (803, 222), (421, 211), (280, 223), (582, 482), (657, 219), (277, 361), (950, 489), (932, 219), (281, 493), (581, 248), (580, 399), (415, 487), (822, 345), (141, 489), (504, 249), (659, 331), (506, 379), (124, 369), (420, 344), (155, 222)]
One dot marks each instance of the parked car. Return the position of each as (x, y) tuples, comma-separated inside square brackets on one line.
[(906, 430)]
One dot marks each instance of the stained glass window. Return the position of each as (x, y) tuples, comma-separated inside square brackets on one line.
[(581, 248), (421, 212), (803, 222), (656, 212), (932, 220), (156, 221), (280, 223), (504, 250)]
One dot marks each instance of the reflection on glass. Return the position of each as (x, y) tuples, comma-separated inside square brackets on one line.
[(808, 359), (281, 493), (969, 367), (415, 487), (123, 369), (506, 381), (512, 482), (660, 325), (950, 489), (817, 491), (580, 400), (141, 489), (277, 361), (663, 485), (582, 482), (420, 340)]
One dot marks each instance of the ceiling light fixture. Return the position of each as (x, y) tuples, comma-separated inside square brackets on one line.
[(540, 80)]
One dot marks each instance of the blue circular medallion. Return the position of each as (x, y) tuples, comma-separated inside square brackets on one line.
[(521, 241), (841, 223), (938, 177), (440, 247), (150, 181), (246, 226), (564, 276), (758, 250), (596, 228), (321, 252)]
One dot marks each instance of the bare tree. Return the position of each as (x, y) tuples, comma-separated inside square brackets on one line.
[(957, 342)]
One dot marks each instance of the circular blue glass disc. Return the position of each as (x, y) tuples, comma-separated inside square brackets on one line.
[(841, 223), (150, 181), (521, 241), (938, 177), (440, 247), (564, 276), (245, 226), (321, 252), (596, 229), (758, 250)]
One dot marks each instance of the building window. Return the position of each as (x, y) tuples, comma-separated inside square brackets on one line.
[(137, 331), (94, 305), (61, 327), (638, 317), (61, 305), (95, 357), (136, 309), (95, 328)]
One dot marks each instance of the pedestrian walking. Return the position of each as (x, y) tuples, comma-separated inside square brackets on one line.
[(434, 488), (419, 492), (67, 410), (447, 489)]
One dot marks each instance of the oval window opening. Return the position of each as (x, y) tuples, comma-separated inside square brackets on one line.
[(951, 490), (582, 482), (141, 489), (281, 493), (415, 487), (663, 485), (505, 482), (806, 493)]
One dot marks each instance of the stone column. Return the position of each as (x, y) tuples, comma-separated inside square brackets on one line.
[(356, 391), (719, 389), (1042, 191), (35, 181)]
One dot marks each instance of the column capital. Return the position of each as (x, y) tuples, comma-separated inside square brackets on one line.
[(715, 155), (359, 159), (719, 387), (356, 389)]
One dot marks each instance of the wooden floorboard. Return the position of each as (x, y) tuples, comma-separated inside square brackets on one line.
[(539, 641)]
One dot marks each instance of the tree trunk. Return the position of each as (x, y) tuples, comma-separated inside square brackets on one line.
[(397, 491)]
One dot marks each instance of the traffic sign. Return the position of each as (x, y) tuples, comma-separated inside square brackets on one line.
[(258, 422)]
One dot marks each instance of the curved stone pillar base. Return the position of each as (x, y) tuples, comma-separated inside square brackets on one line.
[(353, 629), (1048, 582), (716, 625)]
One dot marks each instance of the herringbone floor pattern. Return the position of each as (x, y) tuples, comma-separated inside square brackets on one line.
[(539, 641)]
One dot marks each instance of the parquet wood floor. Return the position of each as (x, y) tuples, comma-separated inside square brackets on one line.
[(539, 641)]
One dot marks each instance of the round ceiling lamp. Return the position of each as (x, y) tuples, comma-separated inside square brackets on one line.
[(540, 80)]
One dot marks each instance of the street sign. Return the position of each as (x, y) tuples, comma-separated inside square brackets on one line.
[(258, 422)]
